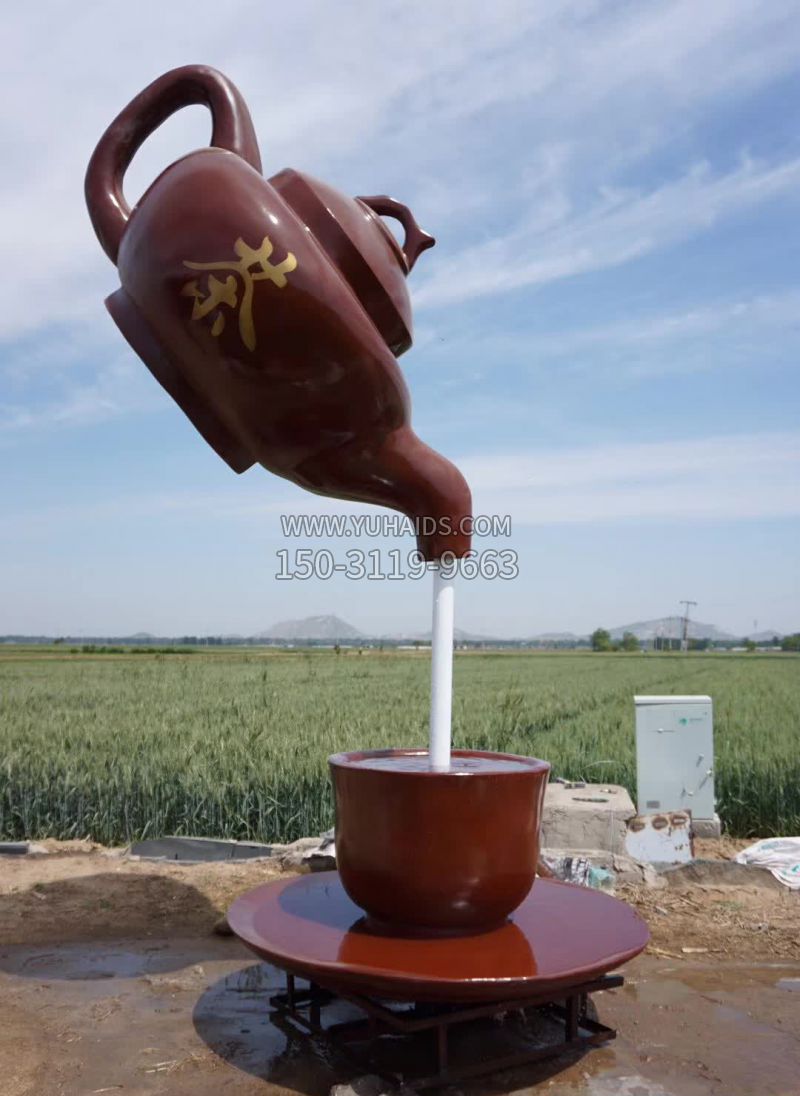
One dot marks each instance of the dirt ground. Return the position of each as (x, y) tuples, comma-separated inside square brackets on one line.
[(113, 980), (93, 893)]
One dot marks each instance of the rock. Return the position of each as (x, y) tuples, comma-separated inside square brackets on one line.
[(292, 857), (368, 1085), (310, 854), (371, 1085), (624, 868), (322, 858), (316, 861), (630, 870)]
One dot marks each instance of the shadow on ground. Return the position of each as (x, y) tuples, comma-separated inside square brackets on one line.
[(103, 907), (233, 1018)]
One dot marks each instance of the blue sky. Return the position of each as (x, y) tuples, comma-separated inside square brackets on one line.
[(607, 332)]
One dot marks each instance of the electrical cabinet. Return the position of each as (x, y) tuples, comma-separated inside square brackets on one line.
[(675, 755)]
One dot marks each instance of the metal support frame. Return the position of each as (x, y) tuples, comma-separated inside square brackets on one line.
[(304, 1008)]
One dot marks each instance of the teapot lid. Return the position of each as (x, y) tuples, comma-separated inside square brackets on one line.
[(353, 235)]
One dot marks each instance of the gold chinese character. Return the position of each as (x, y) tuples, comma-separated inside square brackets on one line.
[(219, 293)]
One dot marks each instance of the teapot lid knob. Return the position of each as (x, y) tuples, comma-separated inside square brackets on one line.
[(416, 240)]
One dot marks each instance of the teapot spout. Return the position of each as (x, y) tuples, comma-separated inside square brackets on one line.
[(405, 474)]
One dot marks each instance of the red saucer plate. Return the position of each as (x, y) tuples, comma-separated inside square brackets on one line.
[(560, 936)]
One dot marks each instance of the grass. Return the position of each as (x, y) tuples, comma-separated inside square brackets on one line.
[(234, 742)]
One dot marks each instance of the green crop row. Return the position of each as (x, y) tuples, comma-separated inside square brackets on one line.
[(234, 744)]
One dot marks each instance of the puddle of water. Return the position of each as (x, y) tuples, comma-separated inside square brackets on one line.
[(96, 961), (623, 1086), (732, 976), (728, 1021), (792, 984), (687, 1031)]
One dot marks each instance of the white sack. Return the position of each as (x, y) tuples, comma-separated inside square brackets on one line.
[(780, 855)]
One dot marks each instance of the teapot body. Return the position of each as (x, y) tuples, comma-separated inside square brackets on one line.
[(290, 374), (272, 310)]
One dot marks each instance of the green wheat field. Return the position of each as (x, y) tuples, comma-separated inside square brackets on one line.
[(233, 742)]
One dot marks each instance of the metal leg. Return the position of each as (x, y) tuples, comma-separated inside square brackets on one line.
[(571, 1021), (304, 1008), (441, 1040)]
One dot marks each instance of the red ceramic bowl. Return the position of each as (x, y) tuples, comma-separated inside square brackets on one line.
[(428, 850)]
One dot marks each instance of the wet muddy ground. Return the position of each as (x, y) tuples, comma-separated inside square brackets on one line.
[(112, 982), (191, 1017)]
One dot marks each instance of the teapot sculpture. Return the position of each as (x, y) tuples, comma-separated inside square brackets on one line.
[(271, 310)]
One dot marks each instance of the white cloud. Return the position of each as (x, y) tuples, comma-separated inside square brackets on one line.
[(387, 95), (320, 80), (119, 388), (735, 477), (741, 331), (619, 227), (732, 478), (753, 315)]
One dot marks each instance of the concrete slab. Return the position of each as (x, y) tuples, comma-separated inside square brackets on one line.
[(198, 850), (587, 816), (707, 827), (660, 838)]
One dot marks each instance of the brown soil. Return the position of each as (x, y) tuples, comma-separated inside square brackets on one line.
[(709, 922), (91, 893), (720, 848), (97, 894)]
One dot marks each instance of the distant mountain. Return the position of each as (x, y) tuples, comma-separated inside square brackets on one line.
[(671, 628), (331, 629), (459, 635), (467, 637), (315, 627)]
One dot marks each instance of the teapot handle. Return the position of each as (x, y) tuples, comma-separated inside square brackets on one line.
[(416, 240), (232, 130)]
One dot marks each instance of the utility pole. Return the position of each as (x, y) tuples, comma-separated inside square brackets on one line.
[(685, 639)]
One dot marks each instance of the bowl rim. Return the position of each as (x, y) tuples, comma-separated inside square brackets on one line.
[(354, 759)]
